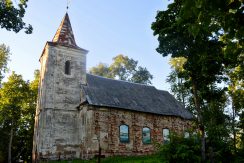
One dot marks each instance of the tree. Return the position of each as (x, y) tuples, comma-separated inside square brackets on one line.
[(123, 68), (220, 17), (101, 69), (177, 81), (4, 58), (26, 127), (183, 33), (13, 94), (236, 94), (11, 17), (17, 111), (141, 75)]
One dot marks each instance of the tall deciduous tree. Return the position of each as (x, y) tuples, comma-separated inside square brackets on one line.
[(4, 58), (123, 68), (13, 94), (17, 111), (26, 127), (193, 30), (11, 16)]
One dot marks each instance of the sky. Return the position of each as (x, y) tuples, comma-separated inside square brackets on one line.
[(105, 28)]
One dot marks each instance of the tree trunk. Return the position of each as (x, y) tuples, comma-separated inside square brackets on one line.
[(182, 92), (203, 147), (10, 145), (233, 125), (200, 119)]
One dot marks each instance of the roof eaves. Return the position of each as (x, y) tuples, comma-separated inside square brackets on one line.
[(132, 110)]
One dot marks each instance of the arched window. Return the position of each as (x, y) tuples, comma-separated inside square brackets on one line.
[(166, 137), (146, 135), (124, 133), (67, 68)]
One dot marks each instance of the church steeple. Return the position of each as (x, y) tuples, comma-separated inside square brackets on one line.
[(64, 35)]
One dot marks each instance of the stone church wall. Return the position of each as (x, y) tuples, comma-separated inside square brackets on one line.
[(60, 137), (101, 125), (76, 134), (56, 134)]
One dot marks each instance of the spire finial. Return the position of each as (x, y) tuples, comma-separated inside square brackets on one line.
[(68, 3)]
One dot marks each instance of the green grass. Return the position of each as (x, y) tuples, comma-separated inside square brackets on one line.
[(117, 159), (132, 159)]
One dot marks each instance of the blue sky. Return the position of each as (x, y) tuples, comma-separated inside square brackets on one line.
[(104, 27)]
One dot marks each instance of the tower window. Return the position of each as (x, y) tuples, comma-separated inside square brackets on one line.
[(67, 68)]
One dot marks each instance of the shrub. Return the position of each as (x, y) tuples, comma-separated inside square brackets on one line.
[(181, 149)]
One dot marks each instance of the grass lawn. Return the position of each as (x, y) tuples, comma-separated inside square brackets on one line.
[(117, 159)]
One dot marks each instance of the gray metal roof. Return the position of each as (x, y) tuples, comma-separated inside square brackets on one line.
[(101, 91)]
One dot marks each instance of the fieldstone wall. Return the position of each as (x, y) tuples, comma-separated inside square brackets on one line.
[(102, 126)]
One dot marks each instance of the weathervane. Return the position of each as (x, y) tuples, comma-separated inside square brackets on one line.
[(68, 3)]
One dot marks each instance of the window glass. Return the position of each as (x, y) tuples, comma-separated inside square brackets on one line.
[(124, 133), (67, 67), (166, 138), (186, 135), (146, 135)]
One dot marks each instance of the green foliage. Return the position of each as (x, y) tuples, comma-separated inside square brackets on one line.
[(101, 70), (187, 150), (141, 75), (209, 34), (11, 17), (236, 87), (12, 94), (181, 149), (123, 68), (4, 58), (17, 110), (177, 82), (241, 126)]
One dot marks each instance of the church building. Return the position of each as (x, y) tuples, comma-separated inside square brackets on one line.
[(78, 113)]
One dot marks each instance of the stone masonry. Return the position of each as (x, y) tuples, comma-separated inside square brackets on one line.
[(101, 125)]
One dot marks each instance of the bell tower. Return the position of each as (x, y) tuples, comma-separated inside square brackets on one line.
[(63, 71)]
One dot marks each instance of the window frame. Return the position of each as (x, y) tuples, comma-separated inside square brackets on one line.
[(145, 143), (128, 128)]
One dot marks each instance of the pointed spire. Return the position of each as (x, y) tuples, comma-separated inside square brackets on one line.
[(64, 35)]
